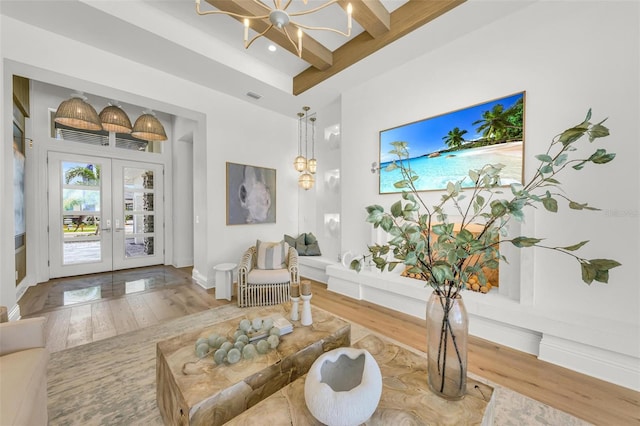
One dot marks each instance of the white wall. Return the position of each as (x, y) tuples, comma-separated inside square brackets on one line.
[(569, 57), (324, 198), (226, 130)]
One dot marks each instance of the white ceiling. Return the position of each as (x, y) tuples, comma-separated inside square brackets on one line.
[(171, 36)]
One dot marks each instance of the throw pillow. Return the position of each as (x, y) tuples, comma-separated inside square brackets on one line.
[(290, 240), (313, 250), (310, 245), (296, 243), (272, 255)]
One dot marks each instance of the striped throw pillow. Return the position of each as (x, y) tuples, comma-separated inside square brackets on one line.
[(272, 255)]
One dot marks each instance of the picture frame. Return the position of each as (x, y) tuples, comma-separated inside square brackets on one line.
[(445, 147), (251, 194)]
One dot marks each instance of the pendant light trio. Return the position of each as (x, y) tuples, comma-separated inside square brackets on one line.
[(302, 163), (76, 112)]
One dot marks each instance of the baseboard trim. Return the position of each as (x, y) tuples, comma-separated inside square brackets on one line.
[(606, 365), (201, 280)]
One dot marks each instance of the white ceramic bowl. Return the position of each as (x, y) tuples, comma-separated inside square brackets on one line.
[(343, 387)]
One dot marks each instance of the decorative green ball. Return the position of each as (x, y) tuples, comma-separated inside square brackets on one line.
[(262, 346), (249, 351), (212, 339), (275, 331), (226, 346), (201, 340), (219, 341), (267, 323), (237, 334), (244, 339), (239, 345), (219, 356), (245, 325), (202, 349), (273, 341), (233, 356), (257, 324)]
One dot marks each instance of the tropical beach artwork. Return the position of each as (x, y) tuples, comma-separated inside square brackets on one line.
[(444, 148)]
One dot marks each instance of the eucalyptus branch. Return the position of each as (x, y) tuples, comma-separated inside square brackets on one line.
[(446, 257)]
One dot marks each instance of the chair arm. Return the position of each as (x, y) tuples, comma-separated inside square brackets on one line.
[(23, 334), (292, 265), (246, 265)]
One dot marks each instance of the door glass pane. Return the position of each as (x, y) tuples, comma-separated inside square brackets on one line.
[(80, 207), (139, 214)]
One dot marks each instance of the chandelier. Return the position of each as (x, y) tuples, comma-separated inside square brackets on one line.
[(302, 163), (280, 18)]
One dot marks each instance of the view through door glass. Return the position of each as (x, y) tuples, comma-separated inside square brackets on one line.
[(104, 214), (81, 198), (138, 239)]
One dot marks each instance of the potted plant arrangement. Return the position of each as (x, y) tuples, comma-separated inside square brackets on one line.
[(448, 255)]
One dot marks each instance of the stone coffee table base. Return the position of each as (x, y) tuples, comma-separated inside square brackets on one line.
[(406, 398)]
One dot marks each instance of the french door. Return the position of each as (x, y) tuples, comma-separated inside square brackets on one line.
[(104, 214)]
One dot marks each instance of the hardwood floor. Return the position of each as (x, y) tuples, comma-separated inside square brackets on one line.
[(169, 293)]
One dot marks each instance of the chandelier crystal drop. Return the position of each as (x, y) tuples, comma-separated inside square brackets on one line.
[(279, 18)]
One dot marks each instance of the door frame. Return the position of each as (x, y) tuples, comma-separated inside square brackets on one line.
[(110, 237)]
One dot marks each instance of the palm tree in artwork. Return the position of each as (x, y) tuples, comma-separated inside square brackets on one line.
[(494, 123), (454, 138)]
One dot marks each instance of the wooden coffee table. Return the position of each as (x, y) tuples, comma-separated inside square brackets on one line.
[(406, 398), (205, 393)]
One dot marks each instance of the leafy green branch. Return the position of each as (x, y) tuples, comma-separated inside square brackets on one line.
[(447, 254)]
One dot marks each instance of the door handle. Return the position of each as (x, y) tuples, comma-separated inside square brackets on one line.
[(119, 229), (108, 227)]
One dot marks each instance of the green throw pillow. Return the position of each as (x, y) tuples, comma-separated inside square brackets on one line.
[(309, 238)]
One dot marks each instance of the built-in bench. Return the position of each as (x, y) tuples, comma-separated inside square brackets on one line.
[(315, 267)]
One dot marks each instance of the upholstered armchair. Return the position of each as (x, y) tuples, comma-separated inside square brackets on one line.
[(266, 273)]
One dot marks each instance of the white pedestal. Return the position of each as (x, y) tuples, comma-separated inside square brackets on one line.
[(224, 280)]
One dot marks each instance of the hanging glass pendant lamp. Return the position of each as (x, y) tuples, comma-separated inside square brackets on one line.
[(114, 119), (312, 163), (147, 127), (306, 181), (300, 162), (77, 113)]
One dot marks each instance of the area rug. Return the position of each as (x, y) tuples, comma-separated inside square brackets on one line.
[(113, 381)]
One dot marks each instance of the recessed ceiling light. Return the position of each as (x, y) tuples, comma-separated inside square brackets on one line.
[(272, 48)]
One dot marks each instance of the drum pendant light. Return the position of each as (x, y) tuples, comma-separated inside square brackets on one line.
[(114, 119), (77, 113), (147, 127)]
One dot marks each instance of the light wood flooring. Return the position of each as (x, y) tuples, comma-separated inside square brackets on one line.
[(170, 293)]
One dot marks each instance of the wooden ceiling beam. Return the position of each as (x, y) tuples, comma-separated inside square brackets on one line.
[(405, 19), (314, 53), (371, 15)]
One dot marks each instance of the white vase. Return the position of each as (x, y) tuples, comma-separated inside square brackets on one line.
[(343, 387)]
